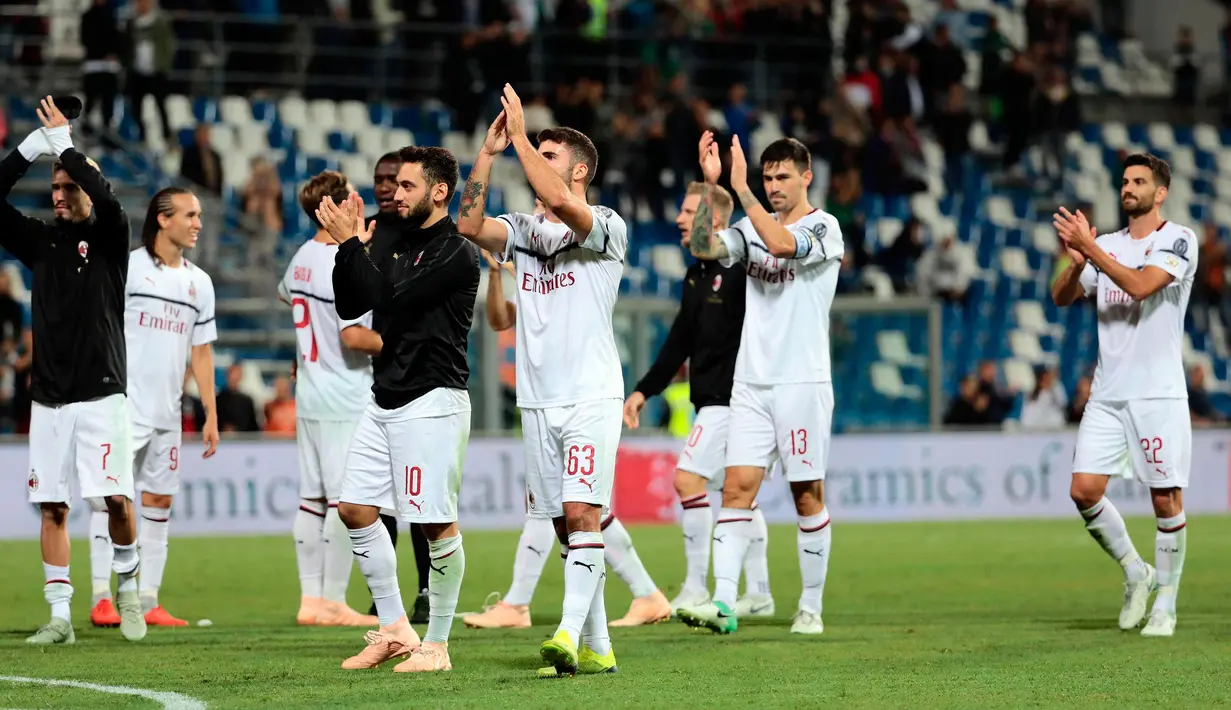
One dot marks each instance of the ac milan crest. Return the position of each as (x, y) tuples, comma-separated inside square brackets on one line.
[(83, 249), (32, 482), (717, 282), (192, 292)]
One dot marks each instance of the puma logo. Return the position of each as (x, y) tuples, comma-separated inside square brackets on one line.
[(818, 553), (587, 484), (102, 537), (113, 479), (1164, 473), (718, 538), (537, 552), (417, 506), (363, 554), (690, 538), (579, 563), (806, 462), (440, 570)]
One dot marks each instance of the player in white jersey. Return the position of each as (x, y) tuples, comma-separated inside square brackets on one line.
[(168, 321), (1137, 423), (333, 386), (513, 611), (783, 394), (569, 381)]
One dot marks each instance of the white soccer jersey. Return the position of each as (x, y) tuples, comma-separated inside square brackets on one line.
[(1139, 342), (334, 383), (166, 312), (566, 289), (785, 338)]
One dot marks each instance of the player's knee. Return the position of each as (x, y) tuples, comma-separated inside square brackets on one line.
[(98, 505), (689, 484), (581, 517), (809, 497), (1085, 492), (118, 506), (154, 500), (1167, 502), (357, 516), (54, 513), (740, 487)]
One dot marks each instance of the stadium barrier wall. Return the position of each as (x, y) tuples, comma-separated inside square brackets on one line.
[(250, 487)]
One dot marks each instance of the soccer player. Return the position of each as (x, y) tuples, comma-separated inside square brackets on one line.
[(388, 235), (570, 386), (782, 395), (513, 611), (168, 321), (706, 333), (333, 386), (79, 425), (1137, 422), (412, 438)]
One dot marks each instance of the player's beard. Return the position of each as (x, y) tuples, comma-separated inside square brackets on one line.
[(1142, 205), (419, 213)]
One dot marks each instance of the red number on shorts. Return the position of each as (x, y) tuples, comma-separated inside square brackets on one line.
[(695, 435), (799, 442), (175, 458), (414, 480), (575, 456), (106, 453), (1152, 447), (303, 319)]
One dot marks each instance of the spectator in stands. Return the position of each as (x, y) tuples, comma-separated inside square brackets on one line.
[(1056, 115), (100, 69), (946, 269), (150, 53), (236, 412), (971, 406), (1081, 396), (1199, 405), (200, 164), (741, 115), (862, 88), (1184, 67), (991, 59), (898, 259), (261, 213), (1211, 279), (280, 411), (951, 125), (943, 65), (999, 401), (904, 95), (1046, 407), (1016, 89)]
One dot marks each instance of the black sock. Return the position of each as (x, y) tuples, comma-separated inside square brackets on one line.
[(423, 557)]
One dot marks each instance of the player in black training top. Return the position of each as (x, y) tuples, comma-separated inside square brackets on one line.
[(79, 422), (706, 333), (408, 449)]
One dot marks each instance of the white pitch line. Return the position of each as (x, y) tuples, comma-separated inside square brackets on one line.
[(169, 700)]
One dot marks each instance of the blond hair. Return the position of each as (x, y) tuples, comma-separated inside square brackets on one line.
[(720, 199)]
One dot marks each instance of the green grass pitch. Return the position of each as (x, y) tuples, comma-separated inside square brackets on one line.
[(979, 614)]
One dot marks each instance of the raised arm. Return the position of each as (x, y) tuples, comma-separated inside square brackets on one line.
[(107, 207), (358, 285), (488, 233), (20, 235), (1139, 285), (570, 208), (501, 315), (778, 239), (705, 244)]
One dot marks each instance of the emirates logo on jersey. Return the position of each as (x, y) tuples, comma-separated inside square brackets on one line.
[(717, 282), (83, 249)]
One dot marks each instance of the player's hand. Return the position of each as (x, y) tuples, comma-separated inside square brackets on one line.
[(497, 137), (739, 167), (707, 150), (632, 410), (49, 114), (336, 219), (361, 230), (210, 434), (1076, 232), (514, 119), (494, 265)]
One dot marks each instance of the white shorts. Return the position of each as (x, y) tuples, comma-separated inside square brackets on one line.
[(705, 451), (90, 442), (412, 455), (156, 459), (322, 447), (1148, 439), (790, 423), (571, 455)]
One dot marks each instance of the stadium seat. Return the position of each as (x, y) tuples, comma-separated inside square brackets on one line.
[(893, 348)]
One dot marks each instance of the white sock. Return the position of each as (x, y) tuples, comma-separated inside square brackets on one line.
[(756, 562), (622, 557), (444, 583), (698, 523), (100, 554), (594, 631), (813, 540), (582, 571), (732, 535), (1106, 526), (337, 557), (537, 538), (378, 562), (58, 591), (1169, 544), (125, 561), (152, 540), (309, 549)]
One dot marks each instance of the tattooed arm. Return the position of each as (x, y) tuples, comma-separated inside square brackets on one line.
[(705, 243), (488, 233)]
